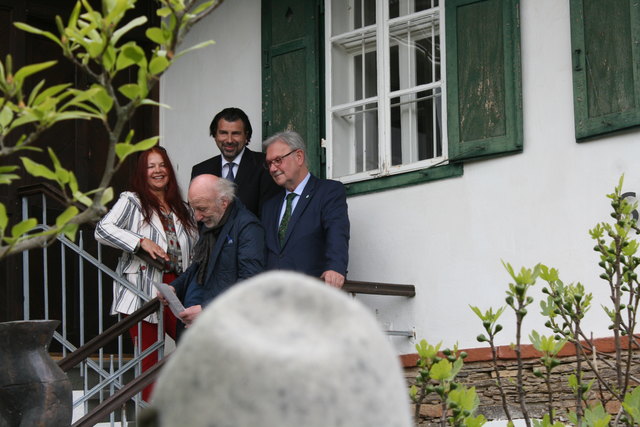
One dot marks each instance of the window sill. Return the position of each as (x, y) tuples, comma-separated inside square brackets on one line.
[(403, 180)]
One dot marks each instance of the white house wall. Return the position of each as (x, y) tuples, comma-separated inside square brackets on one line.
[(446, 237), (203, 82)]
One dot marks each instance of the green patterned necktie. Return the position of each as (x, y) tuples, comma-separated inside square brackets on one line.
[(282, 230)]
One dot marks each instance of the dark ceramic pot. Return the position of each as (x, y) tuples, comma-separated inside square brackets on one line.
[(34, 391)]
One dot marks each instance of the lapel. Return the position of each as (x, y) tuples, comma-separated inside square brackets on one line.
[(216, 167), (156, 224), (270, 221), (303, 202), (221, 240), (245, 167)]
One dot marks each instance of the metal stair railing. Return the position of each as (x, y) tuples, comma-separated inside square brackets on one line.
[(65, 282), (75, 259)]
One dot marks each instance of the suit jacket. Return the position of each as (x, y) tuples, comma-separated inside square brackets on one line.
[(123, 227), (237, 255), (317, 237), (255, 185)]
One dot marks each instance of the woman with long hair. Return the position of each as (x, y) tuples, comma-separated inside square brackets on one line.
[(156, 231)]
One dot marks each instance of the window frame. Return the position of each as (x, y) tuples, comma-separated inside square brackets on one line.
[(382, 98)]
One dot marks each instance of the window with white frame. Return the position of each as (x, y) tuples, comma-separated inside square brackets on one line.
[(384, 87)]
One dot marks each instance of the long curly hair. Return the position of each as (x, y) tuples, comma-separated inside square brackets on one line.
[(149, 201)]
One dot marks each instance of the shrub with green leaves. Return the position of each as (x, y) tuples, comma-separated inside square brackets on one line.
[(564, 308), (97, 43), (437, 371)]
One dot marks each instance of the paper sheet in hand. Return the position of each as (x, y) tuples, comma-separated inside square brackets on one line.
[(174, 303)]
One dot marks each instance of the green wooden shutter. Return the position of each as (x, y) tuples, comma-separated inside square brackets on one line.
[(484, 103), (291, 64), (605, 41)]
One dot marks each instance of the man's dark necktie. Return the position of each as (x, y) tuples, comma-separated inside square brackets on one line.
[(282, 230), (230, 176)]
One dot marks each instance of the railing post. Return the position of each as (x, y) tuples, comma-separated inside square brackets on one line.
[(45, 262), (25, 267)]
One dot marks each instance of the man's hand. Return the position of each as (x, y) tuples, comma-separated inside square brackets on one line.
[(162, 299), (333, 278), (190, 314)]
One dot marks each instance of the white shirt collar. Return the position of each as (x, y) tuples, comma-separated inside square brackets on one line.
[(300, 188), (237, 160)]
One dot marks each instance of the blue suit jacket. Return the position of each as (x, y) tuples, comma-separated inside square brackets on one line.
[(237, 255), (317, 237)]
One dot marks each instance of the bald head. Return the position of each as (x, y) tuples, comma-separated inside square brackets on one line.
[(209, 197)]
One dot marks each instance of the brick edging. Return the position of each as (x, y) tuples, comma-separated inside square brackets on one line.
[(505, 352)]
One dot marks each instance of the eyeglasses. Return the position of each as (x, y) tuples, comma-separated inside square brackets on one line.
[(277, 161)]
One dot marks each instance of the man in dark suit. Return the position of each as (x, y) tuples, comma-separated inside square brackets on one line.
[(307, 224), (232, 131)]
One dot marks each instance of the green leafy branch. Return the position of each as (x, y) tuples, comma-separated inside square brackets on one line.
[(97, 42), (437, 372)]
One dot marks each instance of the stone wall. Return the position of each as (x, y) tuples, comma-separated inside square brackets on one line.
[(478, 372)]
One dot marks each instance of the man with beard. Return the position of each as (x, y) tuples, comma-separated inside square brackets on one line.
[(230, 248), (232, 131)]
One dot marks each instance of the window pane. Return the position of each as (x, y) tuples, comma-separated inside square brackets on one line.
[(355, 140), (349, 15), (414, 53), (355, 73), (416, 127), (406, 7)]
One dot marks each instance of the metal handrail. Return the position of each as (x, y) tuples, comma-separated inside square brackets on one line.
[(109, 375), (122, 396), (373, 288), (107, 336)]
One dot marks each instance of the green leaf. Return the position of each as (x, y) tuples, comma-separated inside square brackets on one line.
[(62, 175), (102, 99), (477, 421), (442, 370), (158, 64), (631, 404), (123, 149), (163, 12), (8, 178), (23, 227), (37, 31), (107, 196), (195, 47), (597, 416), (66, 216), (50, 92), (109, 58), (465, 398), (28, 70), (70, 230), (156, 35), (142, 82), (4, 219), (130, 90), (34, 92), (37, 170), (82, 198), (151, 102), (201, 8), (140, 20), (134, 53), (6, 115)]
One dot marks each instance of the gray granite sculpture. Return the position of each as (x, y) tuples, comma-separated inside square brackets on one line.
[(282, 350)]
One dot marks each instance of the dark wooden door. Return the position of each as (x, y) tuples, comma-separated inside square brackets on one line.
[(291, 72)]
